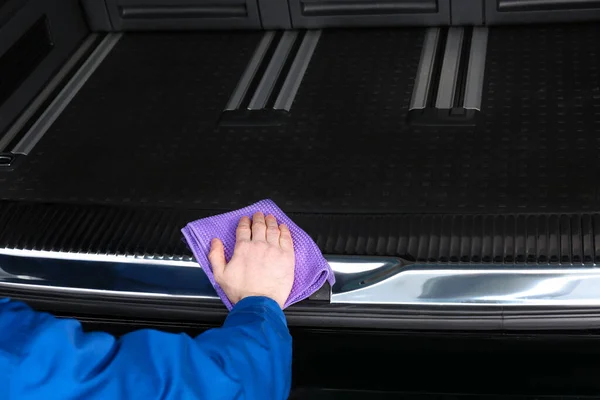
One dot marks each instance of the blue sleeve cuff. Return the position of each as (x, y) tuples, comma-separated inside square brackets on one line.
[(261, 301), (259, 305)]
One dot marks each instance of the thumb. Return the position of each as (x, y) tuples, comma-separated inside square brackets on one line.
[(217, 258)]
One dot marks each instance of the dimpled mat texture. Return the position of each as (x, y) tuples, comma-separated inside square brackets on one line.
[(311, 271)]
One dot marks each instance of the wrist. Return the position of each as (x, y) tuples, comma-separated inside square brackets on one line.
[(255, 309), (257, 299), (257, 294)]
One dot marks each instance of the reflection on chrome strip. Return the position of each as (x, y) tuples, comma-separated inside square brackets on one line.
[(103, 275), (56, 289), (462, 286), (127, 259), (366, 280)]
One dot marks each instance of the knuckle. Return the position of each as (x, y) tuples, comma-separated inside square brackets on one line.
[(286, 236), (241, 245)]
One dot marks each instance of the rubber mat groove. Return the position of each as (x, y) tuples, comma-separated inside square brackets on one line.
[(428, 238)]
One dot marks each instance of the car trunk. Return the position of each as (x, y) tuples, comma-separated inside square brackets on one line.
[(443, 156)]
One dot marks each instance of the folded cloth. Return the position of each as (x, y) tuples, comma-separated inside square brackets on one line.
[(311, 269)]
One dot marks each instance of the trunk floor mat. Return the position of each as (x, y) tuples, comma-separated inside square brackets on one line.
[(144, 130)]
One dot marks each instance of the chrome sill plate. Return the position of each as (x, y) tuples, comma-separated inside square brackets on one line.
[(460, 285), (364, 281)]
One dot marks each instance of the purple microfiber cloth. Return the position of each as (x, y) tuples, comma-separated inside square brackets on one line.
[(311, 270)]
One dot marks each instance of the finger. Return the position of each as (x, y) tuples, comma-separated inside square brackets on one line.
[(243, 231), (272, 230), (259, 228), (285, 239), (217, 258)]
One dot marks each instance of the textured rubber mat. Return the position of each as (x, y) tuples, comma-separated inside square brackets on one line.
[(535, 147), (144, 129), (539, 148), (155, 232)]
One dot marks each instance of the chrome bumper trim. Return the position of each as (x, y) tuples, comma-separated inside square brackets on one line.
[(364, 281), (471, 286)]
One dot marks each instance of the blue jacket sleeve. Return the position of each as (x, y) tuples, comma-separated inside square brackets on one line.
[(42, 357)]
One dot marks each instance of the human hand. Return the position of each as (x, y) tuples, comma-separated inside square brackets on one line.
[(262, 263)]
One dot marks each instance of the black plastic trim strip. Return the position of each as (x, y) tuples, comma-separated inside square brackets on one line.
[(285, 70), (260, 72), (332, 8), (463, 68), (319, 315), (551, 318), (437, 68), (305, 314), (546, 5), (187, 12)]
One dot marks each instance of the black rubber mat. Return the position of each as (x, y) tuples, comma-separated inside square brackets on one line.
[(144, 128), (539, 148), (535, 147), (144, 131)]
